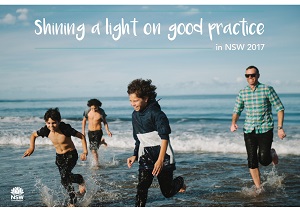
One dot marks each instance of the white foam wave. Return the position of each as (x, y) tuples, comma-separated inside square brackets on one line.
[(22, 141), (20, 119), (186, 142)]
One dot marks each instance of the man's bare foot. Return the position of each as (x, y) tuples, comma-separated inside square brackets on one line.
[(71, 205), (258, 190), (103, 142), (274, 156), (183, 189)]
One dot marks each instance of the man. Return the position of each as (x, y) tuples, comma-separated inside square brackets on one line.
[(258, 99), (95, 115)]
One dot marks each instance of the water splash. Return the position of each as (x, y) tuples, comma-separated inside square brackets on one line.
[(252, 191), (272, 181), (114, 162), (91, 190), (58, 198), (49, 196)]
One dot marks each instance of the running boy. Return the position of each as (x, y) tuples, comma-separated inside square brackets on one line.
[(66, 154), (95, 115), (153, 149)]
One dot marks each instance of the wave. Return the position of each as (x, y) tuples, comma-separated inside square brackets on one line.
[(20, 119), (70, 120), (292, 118), (181, 143)]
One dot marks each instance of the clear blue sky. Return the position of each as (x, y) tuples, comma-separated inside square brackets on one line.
[(50, 66)]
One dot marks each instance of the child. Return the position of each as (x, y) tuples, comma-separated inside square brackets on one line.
[(153, 149), (95, 115), (66, 154)]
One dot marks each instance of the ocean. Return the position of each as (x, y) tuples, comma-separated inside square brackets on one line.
[(211, 159)]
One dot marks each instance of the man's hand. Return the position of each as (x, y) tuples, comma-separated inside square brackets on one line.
[(233, 127), (281, 134)]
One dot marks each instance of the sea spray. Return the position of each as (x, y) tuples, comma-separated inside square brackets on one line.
[(272, 183), (91, 190), (272, 179), (252, 191), (59, 198), (50, 197)]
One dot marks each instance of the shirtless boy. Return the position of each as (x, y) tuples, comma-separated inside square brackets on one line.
[(95, 115), (66, 154)]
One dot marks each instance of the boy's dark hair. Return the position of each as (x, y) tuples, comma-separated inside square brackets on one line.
[(94, 102), (253, 67), (52, 113), (142, 88)]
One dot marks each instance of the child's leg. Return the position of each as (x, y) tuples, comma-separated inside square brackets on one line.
[(95, 142), (65, 164), (77, 178), (95, 155), (145, 181), (169, 186), (103, 142)]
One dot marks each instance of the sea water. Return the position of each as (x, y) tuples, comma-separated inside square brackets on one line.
[(211, 159)]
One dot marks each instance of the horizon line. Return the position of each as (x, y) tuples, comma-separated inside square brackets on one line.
[(118, 96)]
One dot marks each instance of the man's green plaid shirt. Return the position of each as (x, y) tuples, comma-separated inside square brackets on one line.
[(258, 104)]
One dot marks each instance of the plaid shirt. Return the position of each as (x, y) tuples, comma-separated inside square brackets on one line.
[(258, 104)]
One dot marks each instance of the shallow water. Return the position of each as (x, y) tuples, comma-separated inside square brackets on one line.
[(211, 159), (212, 179)]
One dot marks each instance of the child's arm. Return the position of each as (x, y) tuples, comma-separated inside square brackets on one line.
[(134, 157), (30, 150), (131, 160), (158, 166), (106, 127), (83, 125), (84, 145)]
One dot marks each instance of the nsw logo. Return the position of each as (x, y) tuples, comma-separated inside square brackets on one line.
[(17, 194)]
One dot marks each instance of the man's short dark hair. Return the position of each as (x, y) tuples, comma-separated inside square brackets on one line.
[(253, 67)]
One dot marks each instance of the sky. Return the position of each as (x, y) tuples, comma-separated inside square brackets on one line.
[(98, 62)]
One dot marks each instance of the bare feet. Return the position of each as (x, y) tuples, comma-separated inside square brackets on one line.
[(71, 205), (182, 190), (82, 190), (274, 156), (96, 166), (259, 190), (103, 142)]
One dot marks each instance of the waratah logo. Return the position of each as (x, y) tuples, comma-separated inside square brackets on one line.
[(17, 194)]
